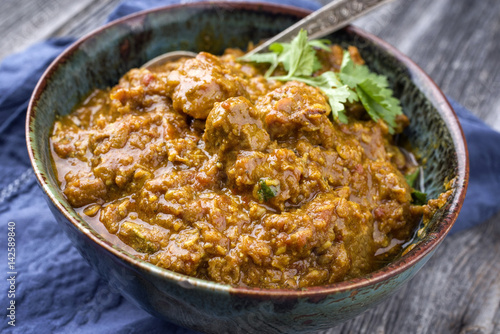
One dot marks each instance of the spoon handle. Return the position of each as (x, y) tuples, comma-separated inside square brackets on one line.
[(329, 18)]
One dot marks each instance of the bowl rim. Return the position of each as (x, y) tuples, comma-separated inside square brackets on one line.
[(397, 267)]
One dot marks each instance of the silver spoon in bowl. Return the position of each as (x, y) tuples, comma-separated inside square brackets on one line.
[(329, 18)]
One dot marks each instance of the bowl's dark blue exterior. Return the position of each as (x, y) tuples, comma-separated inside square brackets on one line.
[(101, 58)]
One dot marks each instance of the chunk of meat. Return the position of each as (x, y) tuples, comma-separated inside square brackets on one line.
[(297, 110), (200, 82), (235, 125), (140, 238), (138, 91), (280, 166), (83, 188), (70, 141), (182, 254), (291, 107)]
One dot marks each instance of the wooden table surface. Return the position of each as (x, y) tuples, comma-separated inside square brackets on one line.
[(457, 42)]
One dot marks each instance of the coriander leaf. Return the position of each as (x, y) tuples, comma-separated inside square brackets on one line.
[(321, 44), (283, 53), (352, 74), (353, 96), (353, 83), (336, 98), (298, 57), (286, 50), (267, 190), (284, 56), (269, 57), (379, 103), (372, 90), (301, 56), (418, 197), (411, 178), (329, 79), (277, 47), (317, 65)]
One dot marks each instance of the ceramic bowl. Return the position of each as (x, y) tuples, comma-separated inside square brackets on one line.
[(102, 57)]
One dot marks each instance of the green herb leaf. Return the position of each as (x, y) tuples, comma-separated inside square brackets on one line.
[(283, 52), (278, 47), (299, 60), (411, 178), (352, 83), (301, 56), (321, 44), (379, 103), (267, 190), (270, 57), (317, 65), (336, 98), (418, 197), (352, 74), (372, 90)]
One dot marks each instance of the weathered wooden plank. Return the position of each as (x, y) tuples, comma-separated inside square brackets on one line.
[(87, 19), (455, 42), (25, 22)]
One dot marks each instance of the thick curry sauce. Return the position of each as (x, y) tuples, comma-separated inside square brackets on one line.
[(206, 168)]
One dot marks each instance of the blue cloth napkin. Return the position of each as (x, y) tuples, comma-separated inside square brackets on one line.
[(55, 290)]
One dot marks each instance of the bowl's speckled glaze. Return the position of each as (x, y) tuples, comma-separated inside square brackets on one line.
[(102, 57)]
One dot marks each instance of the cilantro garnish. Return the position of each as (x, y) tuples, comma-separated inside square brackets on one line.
[(352, 83), (411, 178), (372, 91), (267, 189), (299, 60), (418, 197)]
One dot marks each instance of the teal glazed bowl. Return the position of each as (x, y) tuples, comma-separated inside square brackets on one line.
[(102, 57)]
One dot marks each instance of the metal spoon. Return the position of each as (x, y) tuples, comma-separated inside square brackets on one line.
[(324, 21)]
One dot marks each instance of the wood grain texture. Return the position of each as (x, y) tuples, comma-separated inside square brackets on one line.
[(24, 22), (457, 42)]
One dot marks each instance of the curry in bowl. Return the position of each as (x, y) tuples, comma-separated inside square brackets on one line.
[(211, 168)]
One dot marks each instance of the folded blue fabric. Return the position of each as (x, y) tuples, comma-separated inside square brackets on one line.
[(55, 289)]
